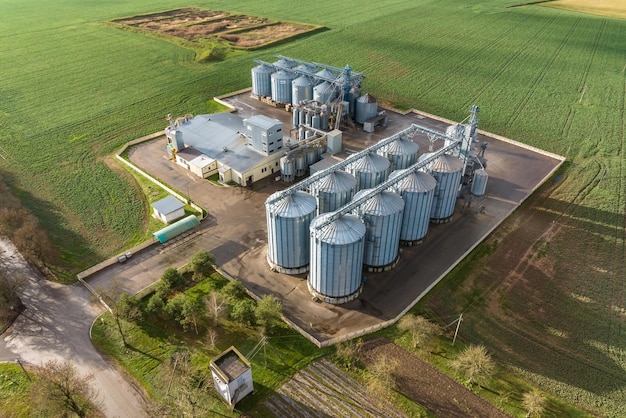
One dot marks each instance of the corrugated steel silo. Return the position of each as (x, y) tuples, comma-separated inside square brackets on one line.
[(300, 164), (366, 108), (307, 68), (336, 258), (369, 171), (262, 80), (288, 223), (324, 75), (281, 86), (301, 89), (311, 155), (447, 170), (287, 169), (402, 153), (382, 214), (417, 191), (284, 63), (324, 92), (479, 182), (296, 116), (333, 191)]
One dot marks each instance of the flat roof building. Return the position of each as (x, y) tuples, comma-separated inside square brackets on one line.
[(232, 375)]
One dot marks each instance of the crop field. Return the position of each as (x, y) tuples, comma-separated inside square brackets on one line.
[(545, 293)]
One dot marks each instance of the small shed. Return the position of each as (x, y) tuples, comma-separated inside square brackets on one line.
[(232, 376), (168, 209)]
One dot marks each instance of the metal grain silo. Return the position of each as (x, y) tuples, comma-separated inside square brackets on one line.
[(447, 170), (366, 108), (262, 80), (479, 182), (382, 214), (417, 191), (281, 86), (336, 263), (401, 153), (287, 169), (310, 155), (324, 92), (301, 89), (300, 162), (308, 69), (284, 63), (288, 223), (296, 116), (369, 171), (324, 75), (333, 191)]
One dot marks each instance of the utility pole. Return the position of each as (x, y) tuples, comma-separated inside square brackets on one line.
[(456, 331), (19, 361)]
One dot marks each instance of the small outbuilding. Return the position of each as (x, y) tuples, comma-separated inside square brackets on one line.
[(232, 376), (196, 162), (168, 209)]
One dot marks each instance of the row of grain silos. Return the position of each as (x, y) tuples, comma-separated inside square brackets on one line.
[(338, 249)]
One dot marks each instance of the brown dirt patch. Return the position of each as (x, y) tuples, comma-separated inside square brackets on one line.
[(427, 386), (239, 30)]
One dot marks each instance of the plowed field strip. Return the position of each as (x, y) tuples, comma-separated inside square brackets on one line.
[(322, 390)]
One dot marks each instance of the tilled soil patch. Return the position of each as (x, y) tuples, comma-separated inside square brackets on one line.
[(427, 386)]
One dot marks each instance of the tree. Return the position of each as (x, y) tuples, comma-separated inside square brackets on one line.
[(534, 403), (212, 337), (60, 391), (234, 291), (193, 311), (155, 304), (381, 379), (268, 312), (474, 363), (242, 311), (201, 264), (121, 305), (173, 279), (422, 331), (216, 305), (10, 302)]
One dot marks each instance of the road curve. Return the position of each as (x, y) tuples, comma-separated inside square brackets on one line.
[(55, 326)]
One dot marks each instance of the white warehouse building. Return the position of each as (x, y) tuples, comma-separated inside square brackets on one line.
[(239, 150)]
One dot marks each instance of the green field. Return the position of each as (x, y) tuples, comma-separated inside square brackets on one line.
[(546, 293)]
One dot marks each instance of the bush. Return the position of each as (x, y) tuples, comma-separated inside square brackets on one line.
[(242, 311), (173, 279)]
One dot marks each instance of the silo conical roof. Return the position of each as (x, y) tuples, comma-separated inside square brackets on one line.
[(346, 229), (367, 98), (418, 182), (371, 163), (446, 164), (336, 182), (381, 204), (295, 205), (401, 147)]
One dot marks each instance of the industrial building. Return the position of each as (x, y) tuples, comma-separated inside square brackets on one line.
[(239, 150)]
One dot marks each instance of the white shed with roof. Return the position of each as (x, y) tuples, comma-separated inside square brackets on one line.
[(168, 209), (232, 376)]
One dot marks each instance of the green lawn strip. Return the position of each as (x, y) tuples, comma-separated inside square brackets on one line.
[(14, 387)]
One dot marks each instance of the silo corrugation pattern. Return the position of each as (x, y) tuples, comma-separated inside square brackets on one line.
[(324, 92), (300, 164), (417, 191), (402, 153), (288, 223), (447, 171), (479, 183), (336, 258), (262, 80), (382, 215), (287, 169), (366, 108), (281, 86), (369, 171), (301, 90), (333, 191)]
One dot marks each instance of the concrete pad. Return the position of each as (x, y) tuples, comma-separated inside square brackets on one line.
[(238, 238)]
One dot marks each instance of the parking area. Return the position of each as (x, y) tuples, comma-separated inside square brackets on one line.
[(236, 229)]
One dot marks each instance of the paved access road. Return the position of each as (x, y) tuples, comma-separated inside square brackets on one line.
[(55, 326)]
